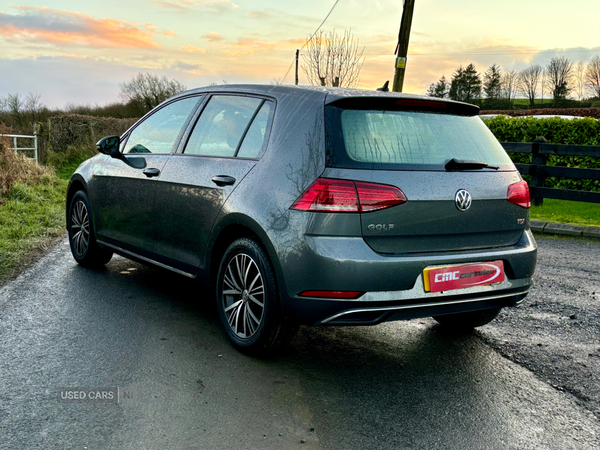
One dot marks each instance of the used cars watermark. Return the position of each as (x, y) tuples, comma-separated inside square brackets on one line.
[(94, 395)]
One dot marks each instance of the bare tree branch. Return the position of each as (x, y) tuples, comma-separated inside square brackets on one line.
[(33, 105), (529, 81), (579, 79), (509, 85), (333, 60), (592, 76), (146, 91), (560, 76)]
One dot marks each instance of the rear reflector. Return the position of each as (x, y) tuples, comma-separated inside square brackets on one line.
[(332, 294), (329, 195), (518, 194)]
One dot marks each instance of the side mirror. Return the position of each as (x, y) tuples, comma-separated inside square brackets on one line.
[(109, 145)]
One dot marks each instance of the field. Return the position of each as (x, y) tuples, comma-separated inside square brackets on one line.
[(538, 101), (562, 211)]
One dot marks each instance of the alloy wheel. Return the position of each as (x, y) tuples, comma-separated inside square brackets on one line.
[(80, 228), (243, 298)]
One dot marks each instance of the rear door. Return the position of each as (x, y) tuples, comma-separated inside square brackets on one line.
[(408, 145), (223, 145)]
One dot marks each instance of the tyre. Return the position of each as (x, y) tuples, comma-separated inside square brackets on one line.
[(467, 321), (82, 239), (248, 301)]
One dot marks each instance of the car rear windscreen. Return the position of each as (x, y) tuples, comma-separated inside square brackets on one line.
[(409, 140)]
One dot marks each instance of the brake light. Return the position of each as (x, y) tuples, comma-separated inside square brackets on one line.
[(421, 103), (332, 294), (330, 195), (518, 194)]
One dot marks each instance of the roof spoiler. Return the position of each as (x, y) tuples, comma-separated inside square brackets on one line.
[(407, 104)]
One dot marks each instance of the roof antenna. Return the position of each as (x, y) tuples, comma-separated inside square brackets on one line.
[(384, 88)]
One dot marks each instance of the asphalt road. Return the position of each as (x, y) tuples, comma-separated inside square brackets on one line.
[(404, 385), (556, 333)]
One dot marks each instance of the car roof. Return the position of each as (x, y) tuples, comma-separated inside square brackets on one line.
[(330, 94)]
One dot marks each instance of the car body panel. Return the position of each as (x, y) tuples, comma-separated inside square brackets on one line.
[(430, 219), (124, 211), (189, 202)]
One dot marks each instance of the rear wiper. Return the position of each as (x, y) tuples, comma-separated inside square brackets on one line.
[(461, 164)]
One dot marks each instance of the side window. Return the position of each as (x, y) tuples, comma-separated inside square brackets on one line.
[(221, 125), (255, 137), (158, 132)]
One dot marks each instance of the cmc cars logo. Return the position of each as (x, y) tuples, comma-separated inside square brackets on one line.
[(457, 275), (462, 200)]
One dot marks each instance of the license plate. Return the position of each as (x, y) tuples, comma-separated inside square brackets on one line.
[(449, 278)]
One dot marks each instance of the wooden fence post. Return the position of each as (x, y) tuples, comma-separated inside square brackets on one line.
[(537, 160), (38, 132)]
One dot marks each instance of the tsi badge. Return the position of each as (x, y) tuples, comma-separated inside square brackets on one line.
[(380, 227)]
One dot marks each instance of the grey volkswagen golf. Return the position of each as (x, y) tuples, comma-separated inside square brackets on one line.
[(313, 206)]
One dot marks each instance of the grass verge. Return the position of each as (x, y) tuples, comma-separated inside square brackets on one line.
[(32, 209), (30, 220), (563, 211)]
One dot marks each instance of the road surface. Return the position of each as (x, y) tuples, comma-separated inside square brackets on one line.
[(153, 334)]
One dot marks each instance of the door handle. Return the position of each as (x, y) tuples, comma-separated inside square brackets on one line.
[(223, 180), (151, 172)]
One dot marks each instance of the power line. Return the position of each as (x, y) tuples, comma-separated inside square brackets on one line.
[(319, 27), (310, 38)]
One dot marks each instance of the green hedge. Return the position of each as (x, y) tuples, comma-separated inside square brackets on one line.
[(583, 131)]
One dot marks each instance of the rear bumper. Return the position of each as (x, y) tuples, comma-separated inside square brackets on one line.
[(394, 284), (327, 312)]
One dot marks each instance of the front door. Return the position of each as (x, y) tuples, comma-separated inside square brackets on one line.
[(124, 209)]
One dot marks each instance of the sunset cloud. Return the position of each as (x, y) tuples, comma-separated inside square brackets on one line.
[(213, 37), (213, 6), (260, 14), (249, 46), (54, 26), (192, 49)]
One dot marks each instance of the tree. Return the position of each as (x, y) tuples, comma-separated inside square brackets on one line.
[(146, 91), (33, 106), (333, 60), (529, 80), (441, 89), (14, 108), (510, 85), (545, 84), (592, 76), (579, 79), (465, 85), (560, 74), (492, 82)]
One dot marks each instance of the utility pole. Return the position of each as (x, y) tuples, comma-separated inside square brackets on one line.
[(402, 47), (297, 54)]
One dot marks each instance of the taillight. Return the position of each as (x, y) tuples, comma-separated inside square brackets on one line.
[(329, 195), (518, 194), (378, 196), (332, 294)]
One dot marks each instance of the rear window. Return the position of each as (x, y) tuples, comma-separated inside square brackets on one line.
[(409, 140)]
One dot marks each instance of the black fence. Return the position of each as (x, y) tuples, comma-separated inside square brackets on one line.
[(540, 150)]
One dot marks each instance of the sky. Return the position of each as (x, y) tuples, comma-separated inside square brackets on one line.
[(79, 51)]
